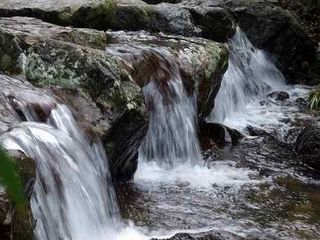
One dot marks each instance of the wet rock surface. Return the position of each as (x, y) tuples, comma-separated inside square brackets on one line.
[(279, 95), (308, 145), (211, 235), (218, 134)]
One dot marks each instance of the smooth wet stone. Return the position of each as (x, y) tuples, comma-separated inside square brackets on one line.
[(217, 134)]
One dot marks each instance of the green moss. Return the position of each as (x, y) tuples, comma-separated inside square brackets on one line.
[(42, 73)]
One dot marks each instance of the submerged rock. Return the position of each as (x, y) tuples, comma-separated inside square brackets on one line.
[(212, 134), (308, 145), (211, 235), (279, 95)]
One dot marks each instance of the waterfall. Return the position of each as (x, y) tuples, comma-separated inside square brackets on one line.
[(171, 139), (73, 197), (250, 75)]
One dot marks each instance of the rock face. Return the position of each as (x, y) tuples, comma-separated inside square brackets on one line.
[(211, 235), (72, 59), (308, 145)]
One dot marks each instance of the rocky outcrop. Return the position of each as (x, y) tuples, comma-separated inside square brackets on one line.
[(308, 145), (70, 59), (211, 235)]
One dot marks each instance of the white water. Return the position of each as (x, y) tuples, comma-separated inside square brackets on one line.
[(73, 194), (250, 76), (170, 153), (171, 139)]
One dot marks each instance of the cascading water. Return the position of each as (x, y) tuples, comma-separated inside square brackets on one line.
[(251, 74), (73, 195), (171, 139)]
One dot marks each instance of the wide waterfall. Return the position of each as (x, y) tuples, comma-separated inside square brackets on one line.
[(250, 75), (73, 195)]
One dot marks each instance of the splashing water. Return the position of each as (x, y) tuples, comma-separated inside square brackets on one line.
[(251, 74), (73, 195)]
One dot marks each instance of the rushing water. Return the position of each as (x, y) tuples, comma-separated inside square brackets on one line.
[(251, 74), (171, 139), (73, 195)]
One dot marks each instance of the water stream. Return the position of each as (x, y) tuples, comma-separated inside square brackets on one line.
[(251, 189), (73, 195)]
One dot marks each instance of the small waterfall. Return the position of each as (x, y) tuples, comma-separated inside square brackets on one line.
[(171, 139), (251, 74), (73, 194)]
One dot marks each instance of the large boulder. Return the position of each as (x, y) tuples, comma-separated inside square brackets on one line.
[(89, 13), (308, 145), (214, 23), (74, 60)]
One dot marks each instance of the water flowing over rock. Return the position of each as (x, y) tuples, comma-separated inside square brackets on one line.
[(72, 59), (172, 134), (251, 74), (69, 199)]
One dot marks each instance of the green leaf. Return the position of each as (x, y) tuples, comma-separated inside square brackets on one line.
[(11, 179)]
